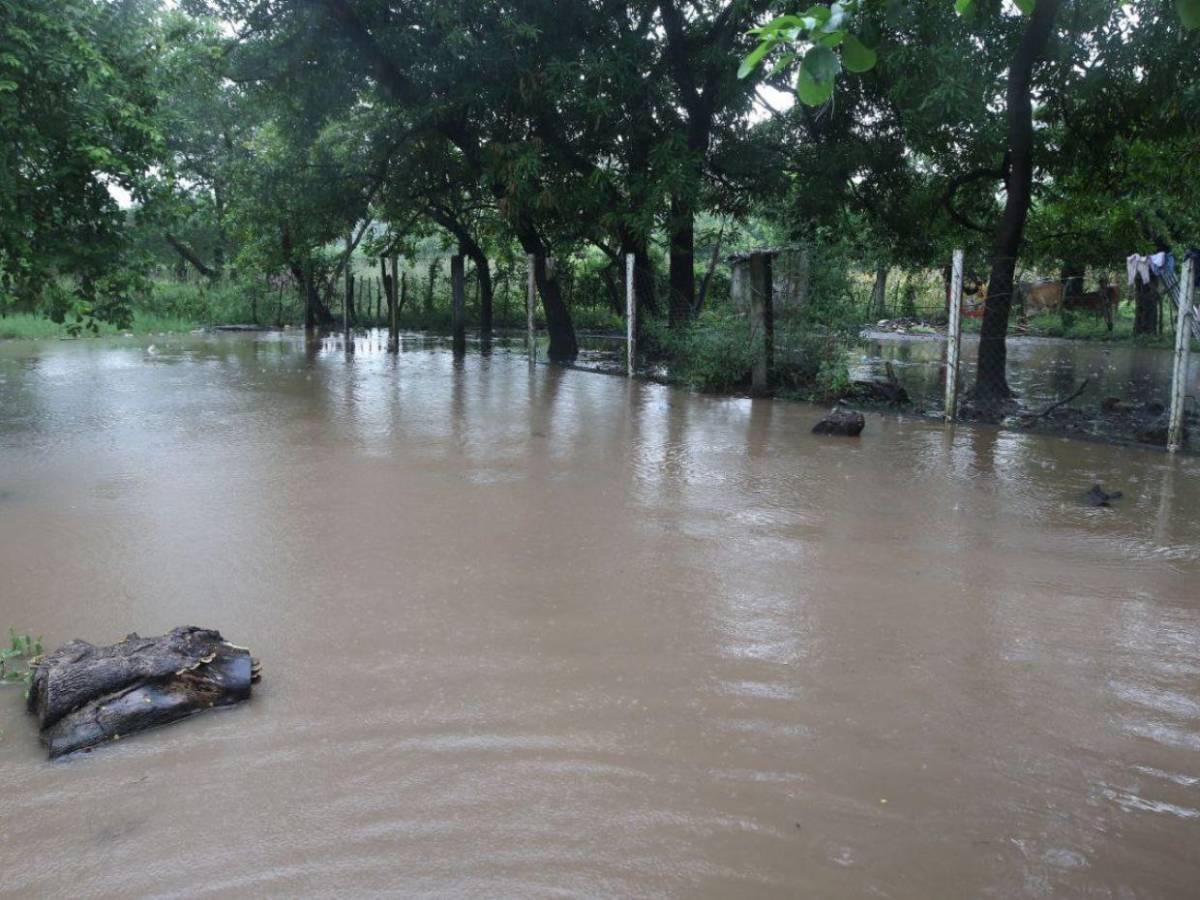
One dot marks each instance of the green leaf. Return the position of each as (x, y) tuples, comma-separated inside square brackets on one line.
[(750, 63), (1189, 13), (1025, 6), (856, 56), (822, 64), (962, 7), (810, 91), (784, 61)]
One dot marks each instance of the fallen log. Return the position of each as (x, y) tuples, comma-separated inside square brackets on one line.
[(84, 695)]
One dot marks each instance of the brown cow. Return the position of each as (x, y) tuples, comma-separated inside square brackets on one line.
[(1050, 297), (1043, 298)]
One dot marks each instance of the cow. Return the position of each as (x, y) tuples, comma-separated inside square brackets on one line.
[(1051, 297), (1043, 298)]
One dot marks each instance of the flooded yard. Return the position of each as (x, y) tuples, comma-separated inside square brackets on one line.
[(534, 632)]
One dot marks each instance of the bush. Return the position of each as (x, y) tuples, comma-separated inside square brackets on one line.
[(713, 354)]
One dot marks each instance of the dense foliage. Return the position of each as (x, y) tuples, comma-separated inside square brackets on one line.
[(268, 148)]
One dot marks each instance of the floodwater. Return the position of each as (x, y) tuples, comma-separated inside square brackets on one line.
[(532, 632)]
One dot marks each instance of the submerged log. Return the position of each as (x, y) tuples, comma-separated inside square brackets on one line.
[(84, 695)]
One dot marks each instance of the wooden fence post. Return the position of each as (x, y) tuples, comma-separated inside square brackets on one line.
[(348, 311), (762, 322), (630, 314), (458, 296), (531, 301), (954, 337), (1183, 346)]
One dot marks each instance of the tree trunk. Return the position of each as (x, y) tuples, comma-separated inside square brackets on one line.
[(563, 345), (1145, 314), (433, 274), (992, 392), (85, 695), (1072, 279), (683, 263), (879, 292)]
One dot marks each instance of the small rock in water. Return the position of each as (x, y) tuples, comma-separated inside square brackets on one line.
[(844, 422), (1097, 496)]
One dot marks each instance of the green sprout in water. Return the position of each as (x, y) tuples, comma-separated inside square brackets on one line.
[(23, 648)]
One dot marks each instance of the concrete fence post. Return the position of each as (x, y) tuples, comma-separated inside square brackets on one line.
[(1183, 347), (630, 314), (954, 337), (530, 304), (762, 322)]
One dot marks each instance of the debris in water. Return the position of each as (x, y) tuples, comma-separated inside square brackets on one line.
[(846, 422), (1097, 496), (85, 695)]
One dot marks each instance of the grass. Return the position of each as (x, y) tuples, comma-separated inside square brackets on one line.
[(27, 326), (23, 649)]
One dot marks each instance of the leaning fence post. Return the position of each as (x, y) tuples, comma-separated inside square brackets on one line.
[(530, 300), (1183, 347), (954, 338), (630, 313), (762, 322)]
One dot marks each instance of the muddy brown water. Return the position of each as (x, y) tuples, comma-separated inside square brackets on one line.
[(543, 633)]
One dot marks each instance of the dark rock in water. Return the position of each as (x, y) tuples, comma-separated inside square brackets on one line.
[(84, 695), (1097, 496), (846, 422)]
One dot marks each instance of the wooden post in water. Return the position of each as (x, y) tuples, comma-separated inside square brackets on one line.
[(630, 314), (394, 312), (530, 302), (762, 322), (347, 312), (954, 337), (1183, 347), (458, 296)]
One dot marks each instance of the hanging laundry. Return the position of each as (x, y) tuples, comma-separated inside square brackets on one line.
[(1138, 266), (1162, 263)]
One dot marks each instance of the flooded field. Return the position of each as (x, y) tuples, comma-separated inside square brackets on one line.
[(531, 632)]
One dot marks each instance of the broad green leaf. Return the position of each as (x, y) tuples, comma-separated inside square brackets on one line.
[(856, 56), (1025, 6), (810, 91), (962, 7), (821, 64), (750, 63), (1189, 12), (784, 61)]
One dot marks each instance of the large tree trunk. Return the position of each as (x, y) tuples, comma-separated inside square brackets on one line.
[(85, 695), (992, 392), (1145, 311), (1072, 278), (683, 262), (434, 266), (879, 292), (563, 345)]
